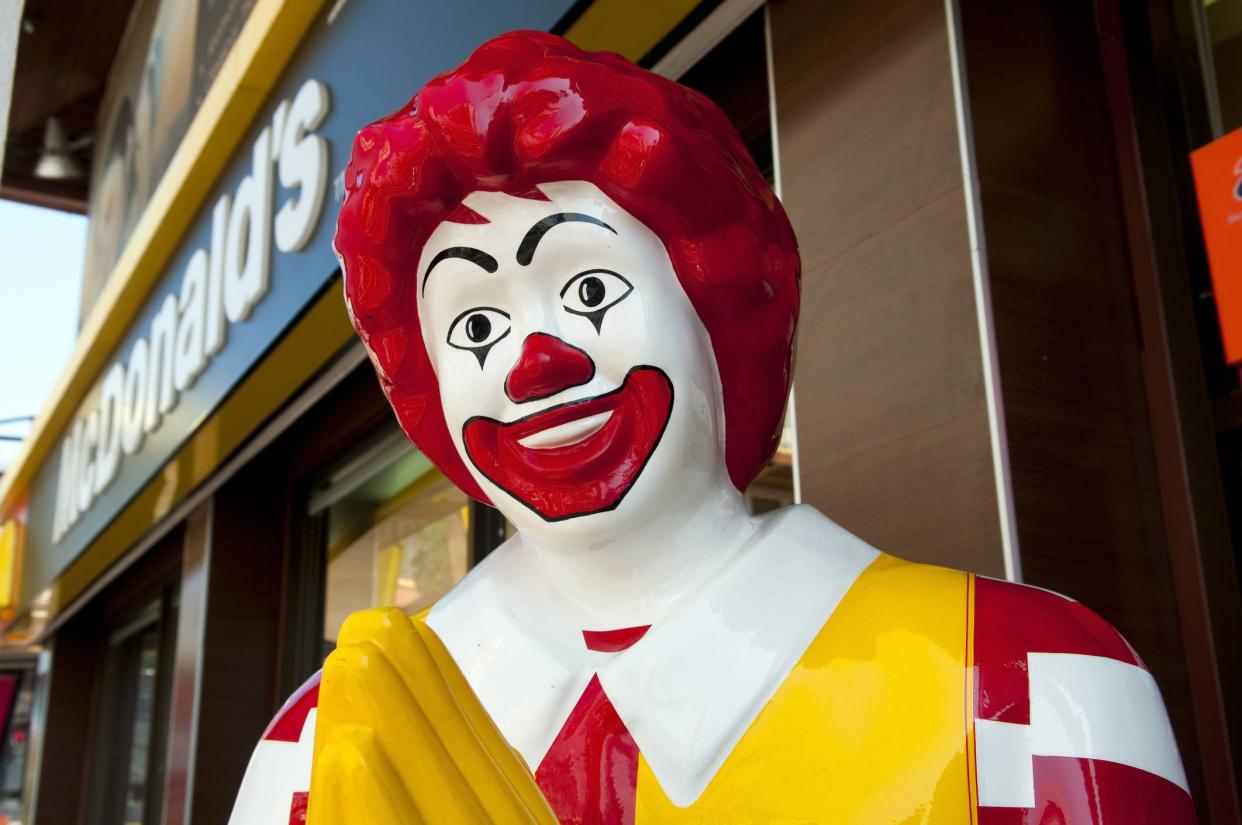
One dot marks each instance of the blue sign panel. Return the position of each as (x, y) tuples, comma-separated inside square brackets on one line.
[(256, 256)]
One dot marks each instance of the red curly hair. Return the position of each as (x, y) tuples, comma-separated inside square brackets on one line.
[(529, 108)]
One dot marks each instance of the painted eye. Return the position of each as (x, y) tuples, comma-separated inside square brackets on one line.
[(594, 292), (477, 330)]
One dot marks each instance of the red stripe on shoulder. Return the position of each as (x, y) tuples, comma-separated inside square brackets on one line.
[(289, 720), (1012, 620), (297, 810), (1095, 792)]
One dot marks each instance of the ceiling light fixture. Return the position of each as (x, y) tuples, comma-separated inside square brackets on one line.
[(57, 161)]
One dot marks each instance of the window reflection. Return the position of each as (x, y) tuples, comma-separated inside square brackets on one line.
[(140, 740), (400, 538), (16, 694), (1224, 20)]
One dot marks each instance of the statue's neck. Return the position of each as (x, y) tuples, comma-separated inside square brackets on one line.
[(643, 573)]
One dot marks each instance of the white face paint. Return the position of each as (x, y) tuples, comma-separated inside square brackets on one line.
[(598, 292)]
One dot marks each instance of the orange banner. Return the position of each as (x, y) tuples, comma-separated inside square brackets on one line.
[(1218, 179)]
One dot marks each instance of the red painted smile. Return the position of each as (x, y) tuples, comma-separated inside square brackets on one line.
[(577, 458)]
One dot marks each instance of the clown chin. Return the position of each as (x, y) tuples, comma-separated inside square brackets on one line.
[(577, 458)]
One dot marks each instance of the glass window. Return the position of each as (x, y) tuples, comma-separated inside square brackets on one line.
[(127, 772), (16, 694), (145, 647), (1224, 24), (398, 533), (734, 74)]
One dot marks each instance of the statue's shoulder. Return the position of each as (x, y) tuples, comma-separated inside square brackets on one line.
[(803, 536), (1061, 695), (1013, 619), (276, 784), (1008, 619), (1056, 693)]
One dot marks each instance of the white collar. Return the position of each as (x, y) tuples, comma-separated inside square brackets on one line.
[(688, 690)]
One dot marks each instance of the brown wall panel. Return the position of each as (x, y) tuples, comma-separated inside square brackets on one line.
[(81, 742), (187, 666), (63, 773), (241, 637), (893, 437), (1085, 489)]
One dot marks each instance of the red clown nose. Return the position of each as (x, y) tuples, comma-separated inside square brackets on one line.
[(547, 365)]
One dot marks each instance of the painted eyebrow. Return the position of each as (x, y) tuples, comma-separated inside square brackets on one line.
[(469, 253), (526, 250)]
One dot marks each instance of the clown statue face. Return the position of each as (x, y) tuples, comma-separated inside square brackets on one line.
[(577, 381), (579, 295), (580, 388)]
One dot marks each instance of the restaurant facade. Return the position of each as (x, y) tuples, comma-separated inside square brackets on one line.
[(1009, 354)]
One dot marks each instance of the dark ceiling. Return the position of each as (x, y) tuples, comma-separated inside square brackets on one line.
[(65, 50)]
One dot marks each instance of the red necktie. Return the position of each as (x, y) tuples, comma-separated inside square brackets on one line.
[(590, 774)]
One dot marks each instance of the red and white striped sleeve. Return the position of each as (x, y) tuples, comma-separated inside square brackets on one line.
[(1069, 725), (277, 781)]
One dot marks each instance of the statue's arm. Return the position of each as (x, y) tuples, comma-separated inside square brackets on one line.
[(1067, 717), (403, 740), (389, 733), (277, 780)]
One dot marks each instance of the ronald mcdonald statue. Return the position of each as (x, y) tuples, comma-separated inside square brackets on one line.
[(580, 296)]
